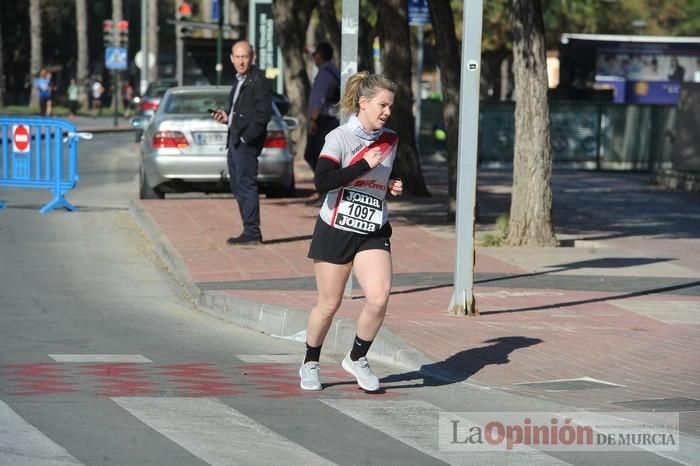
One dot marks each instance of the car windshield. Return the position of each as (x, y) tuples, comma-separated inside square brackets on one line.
[(194, 103), (157, 90)]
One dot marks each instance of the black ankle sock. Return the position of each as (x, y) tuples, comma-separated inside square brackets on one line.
[(359, 348), (312, 353)]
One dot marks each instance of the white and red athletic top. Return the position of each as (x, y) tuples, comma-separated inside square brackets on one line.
[(359, 205)]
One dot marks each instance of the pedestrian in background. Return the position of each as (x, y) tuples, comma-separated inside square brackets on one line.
[(43, 86), (73, 98), (323, 104), (127, 97), (247, 116), (97, 91), (352, 230)]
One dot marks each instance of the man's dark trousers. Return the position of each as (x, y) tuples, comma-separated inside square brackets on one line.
[(243, 171)]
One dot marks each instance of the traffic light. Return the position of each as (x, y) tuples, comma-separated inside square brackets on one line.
[(108, 32), (184, 13), (123, 33)]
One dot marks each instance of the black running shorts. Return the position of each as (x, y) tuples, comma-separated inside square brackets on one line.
[(340, 247)]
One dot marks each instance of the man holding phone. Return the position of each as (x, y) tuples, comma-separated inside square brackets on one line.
[(247, 115)]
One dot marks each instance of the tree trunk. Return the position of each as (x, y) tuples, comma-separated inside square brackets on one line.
[(291, 21), (117, 16), (329, 24), (205, 15), (153, 29), (448, 59), (81, 72), (35, 46), (238, 13), (531, 200), (396, 65), (364, 46)]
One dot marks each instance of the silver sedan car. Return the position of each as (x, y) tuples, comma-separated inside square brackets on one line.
[(184, 149)]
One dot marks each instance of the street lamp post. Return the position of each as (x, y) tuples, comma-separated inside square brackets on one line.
[(463, 301)]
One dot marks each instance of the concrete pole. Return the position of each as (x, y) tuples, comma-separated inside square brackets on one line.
[(463, 301), (179, 54), (144, 46), (350, 25)]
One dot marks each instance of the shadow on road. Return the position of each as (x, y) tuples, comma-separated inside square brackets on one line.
[(461, 366)]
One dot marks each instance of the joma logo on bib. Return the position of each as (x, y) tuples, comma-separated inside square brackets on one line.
[(359, 212), (361, 198), (345, 222)]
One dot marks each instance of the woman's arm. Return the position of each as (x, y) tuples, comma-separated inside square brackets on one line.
[(329, 175)]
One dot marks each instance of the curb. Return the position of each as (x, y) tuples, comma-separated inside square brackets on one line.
[(277, 321)]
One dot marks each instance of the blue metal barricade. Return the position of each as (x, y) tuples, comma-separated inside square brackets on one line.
[(40, 153)]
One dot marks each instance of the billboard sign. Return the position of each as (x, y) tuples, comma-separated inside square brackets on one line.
[(262, 35)]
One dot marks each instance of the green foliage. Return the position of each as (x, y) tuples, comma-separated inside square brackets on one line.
[(496, 26), (24, 110), (499, 235), (665, 18)]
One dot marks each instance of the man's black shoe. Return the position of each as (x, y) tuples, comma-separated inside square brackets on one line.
[(244, 239)]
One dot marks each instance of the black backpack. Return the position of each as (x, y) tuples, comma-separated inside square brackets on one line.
[(333, 96)]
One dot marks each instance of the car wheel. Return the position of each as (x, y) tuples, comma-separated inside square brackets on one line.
[(146, 192), (138, 134)]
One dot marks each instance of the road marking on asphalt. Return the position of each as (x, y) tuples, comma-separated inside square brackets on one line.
[(135, 358), (23, 444), (215, 432), (570, 384), (270, 358), (415, 423)]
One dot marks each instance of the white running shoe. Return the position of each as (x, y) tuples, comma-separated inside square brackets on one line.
[(310, 374), (362, 372)]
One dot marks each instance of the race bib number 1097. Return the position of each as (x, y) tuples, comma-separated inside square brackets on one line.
[(359, 212)]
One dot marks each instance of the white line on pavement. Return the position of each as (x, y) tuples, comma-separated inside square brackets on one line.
[(136, 358), (415, 423), (22, 444), (217, 433)]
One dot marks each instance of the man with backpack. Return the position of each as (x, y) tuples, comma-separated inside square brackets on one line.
[(323, 102)]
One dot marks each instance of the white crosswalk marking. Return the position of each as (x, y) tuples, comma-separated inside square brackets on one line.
[(415, 423), (271, 358), (22, 444), (106, 358), (217, 433)]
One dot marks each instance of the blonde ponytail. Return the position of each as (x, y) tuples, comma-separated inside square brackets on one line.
[(361, 84)]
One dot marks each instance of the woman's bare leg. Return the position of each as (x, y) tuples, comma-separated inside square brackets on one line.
[(373, 270), (330, 282)]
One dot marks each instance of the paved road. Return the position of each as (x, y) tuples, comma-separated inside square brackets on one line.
[(103, 360)]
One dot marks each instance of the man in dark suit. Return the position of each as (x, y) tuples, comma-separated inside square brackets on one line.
[(249, 110)]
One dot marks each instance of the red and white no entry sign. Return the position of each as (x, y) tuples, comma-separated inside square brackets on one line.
[(20, 138)]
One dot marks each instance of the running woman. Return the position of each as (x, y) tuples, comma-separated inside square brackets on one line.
[(352, 231)]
